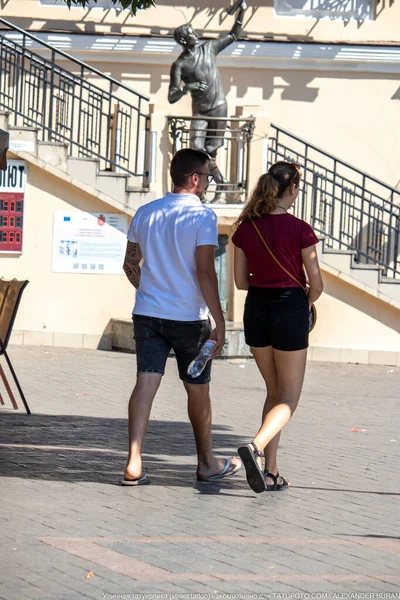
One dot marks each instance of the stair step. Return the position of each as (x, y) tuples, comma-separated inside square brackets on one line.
[(369, 277), (113, 174), (139, 197), (390, 280), (341, 262), (391, 289), (24, 139), (84, 169), (54, 154), (366, 267), (340, 252), (113, 185), (23, 129), (136, 189)]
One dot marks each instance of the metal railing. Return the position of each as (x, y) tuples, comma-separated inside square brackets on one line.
[(97, 116), (351, 209), (232, 158)]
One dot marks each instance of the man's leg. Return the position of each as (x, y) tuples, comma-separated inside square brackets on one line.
[(187, 340), (140, 404), (199, 410), (152, 351)]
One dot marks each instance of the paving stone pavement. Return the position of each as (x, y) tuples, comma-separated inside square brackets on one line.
[(64, 518)]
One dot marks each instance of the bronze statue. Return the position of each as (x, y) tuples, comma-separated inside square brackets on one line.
[(195, 71)]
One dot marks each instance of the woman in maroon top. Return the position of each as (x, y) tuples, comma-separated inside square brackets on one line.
[(276, 310)]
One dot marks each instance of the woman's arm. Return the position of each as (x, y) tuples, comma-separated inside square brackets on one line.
[(241, 270), (311, 264)]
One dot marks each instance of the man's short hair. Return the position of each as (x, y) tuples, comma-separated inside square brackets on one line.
[(180, 32), (185, 163)]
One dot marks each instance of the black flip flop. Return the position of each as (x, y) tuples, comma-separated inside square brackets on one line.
[(254, 475)]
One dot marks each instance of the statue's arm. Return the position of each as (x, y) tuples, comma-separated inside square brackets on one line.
[(235, 32), (176, 90)]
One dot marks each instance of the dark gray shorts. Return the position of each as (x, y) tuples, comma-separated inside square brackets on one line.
[(154, 339)]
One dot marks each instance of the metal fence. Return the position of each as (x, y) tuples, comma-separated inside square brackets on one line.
[(232, 158), (95, 115), (351, 209)]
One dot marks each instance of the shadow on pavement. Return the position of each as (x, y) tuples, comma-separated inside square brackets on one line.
[(92, 449), (324, 489)]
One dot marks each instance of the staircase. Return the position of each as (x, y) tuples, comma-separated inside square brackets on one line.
[(66, 116), (356, 216)]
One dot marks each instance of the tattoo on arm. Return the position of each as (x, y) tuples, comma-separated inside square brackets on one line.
[(132, 260)]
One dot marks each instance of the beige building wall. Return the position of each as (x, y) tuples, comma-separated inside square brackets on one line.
[(261, 21), (60, 308)]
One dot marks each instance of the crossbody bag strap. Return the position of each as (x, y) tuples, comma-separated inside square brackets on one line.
[(274, 257)]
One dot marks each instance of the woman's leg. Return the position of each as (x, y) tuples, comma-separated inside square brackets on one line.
[(265, 361), (290, 370)]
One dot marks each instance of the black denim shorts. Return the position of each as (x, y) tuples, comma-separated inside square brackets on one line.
[(276, 317), (155, 338)]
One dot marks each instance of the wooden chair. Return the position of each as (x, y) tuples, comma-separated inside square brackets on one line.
[(10, 297)]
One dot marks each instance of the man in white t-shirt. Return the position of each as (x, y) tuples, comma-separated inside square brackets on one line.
[(176, 237)]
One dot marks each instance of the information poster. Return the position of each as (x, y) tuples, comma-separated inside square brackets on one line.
[(89, 242), (12, 196)]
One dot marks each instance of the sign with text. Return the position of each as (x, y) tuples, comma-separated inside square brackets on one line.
[(89, 242), (12, 196)]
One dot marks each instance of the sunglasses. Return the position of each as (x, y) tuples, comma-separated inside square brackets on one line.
[(210, 178), (296, 166)]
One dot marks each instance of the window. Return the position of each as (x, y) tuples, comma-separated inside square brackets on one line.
[(359, 10)]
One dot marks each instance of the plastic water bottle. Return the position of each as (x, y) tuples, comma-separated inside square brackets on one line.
[(197, 365)]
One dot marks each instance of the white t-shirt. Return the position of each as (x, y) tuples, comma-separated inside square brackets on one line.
[(168, 231)]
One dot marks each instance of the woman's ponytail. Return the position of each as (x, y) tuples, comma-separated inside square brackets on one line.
[(270, 187), (262, 200)]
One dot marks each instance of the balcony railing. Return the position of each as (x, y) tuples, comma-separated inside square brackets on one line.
[(95, 115), (351, 209), (232, 158)]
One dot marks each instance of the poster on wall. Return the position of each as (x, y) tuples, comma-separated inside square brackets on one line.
[(89, 242), (12, 196)]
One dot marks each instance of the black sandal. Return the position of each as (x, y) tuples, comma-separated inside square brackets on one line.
[(275, 486), (254, 475)]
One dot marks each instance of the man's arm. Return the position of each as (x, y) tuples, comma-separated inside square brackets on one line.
[(132, 260), (208, 282), (235, 32)]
